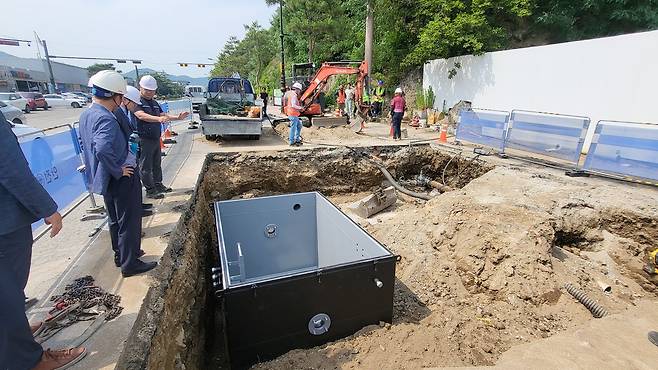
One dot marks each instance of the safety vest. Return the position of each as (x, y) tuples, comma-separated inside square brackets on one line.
[(379, 94), (341, 97), (288, 108)]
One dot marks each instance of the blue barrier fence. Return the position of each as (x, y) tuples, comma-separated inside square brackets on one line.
[(552, 135), (485, 127), (54, 160), (625, 149)]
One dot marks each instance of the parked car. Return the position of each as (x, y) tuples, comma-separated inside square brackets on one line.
[(24, 132), (56, 100), (72, 95), (13, 114), (16, 100), (34, 100), (83, 95)]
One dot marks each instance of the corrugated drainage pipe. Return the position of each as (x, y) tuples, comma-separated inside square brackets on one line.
[(596, 309)]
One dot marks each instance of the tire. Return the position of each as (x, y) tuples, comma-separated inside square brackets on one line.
[(17, 121), (211, 137), (75, 105), (45, 107), (27, 109)]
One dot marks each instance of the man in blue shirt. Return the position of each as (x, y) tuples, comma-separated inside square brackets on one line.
[(111, 169), (150, 116), (22, 201)]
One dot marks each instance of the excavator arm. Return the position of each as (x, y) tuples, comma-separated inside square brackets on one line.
[(321, 78)]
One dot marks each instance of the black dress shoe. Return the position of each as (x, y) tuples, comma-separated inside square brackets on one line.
[(154, 195), (147, 212), (139, 268), (147, 206), (117, 260), (163, 189)]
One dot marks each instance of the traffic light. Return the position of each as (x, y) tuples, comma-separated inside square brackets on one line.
[(183, 64), (201, 65)]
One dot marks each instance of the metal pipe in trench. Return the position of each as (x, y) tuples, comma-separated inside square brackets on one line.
[(398, 186)]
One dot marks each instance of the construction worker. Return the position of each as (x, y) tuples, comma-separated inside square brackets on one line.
[(130, 104), (111, 170), (23, 201), (349, 101), (398, 105), (378, 98), (341, 99), (293, 110), (150, 116)]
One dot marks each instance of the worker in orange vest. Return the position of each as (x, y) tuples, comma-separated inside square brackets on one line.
[(293, 110), (341, 99)]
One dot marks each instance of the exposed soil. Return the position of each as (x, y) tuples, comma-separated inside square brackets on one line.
[(483, 269), (482, 266)]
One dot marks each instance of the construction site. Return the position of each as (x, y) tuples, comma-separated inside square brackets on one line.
[(446, 185), (482, 269)]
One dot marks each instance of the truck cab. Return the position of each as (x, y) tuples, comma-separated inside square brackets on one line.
[(195, 93)]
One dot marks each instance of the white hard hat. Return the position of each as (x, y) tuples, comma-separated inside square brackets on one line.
[(99, 73), (398, 90), (297, 85), (132, 94), (107, 83), (148, 82)]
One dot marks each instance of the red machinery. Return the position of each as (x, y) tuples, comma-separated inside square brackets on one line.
[(328, 69)]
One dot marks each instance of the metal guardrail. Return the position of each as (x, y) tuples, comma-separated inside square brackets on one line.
[(483, 126)]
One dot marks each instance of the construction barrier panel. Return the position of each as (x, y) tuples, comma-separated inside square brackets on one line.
[(554, 135), (484, 127), (626, 149), (54, 160), (177, 107)]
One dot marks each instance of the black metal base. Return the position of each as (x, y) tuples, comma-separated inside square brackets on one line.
[(272, 318), (576, 173)]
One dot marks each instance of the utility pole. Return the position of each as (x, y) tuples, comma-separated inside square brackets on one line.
[(370, 25), (50, 69), (136, 76), (283, 63)]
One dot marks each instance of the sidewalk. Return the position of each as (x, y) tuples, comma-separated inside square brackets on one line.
[(72, 254)]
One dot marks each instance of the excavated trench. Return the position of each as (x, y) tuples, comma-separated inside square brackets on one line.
[(179, 324)]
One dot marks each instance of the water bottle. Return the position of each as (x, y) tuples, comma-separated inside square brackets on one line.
[(133, 144)]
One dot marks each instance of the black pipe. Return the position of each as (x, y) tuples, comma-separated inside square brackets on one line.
[(398, 186)]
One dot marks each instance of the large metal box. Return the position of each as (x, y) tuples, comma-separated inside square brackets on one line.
[(296, 272)]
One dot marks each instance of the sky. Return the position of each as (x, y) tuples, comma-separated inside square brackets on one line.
[(162, 33)]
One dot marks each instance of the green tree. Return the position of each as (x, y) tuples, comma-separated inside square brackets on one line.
[(167, 87), (97, 67), (568, 20)]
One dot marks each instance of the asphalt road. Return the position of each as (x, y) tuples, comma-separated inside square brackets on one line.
[(53, 117)]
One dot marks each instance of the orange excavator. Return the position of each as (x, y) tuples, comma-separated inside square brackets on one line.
[(309, 96), (315, 85)]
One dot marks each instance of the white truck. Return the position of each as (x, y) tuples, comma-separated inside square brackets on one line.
[(195, 93)]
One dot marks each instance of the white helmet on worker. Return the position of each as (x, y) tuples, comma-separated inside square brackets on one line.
[(398, 90), (132, 94), (95, 76), (106, 84), (148, 82), (297, 86)]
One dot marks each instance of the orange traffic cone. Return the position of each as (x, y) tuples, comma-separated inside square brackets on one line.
[(443, 137), (162, 147), (168, 137)]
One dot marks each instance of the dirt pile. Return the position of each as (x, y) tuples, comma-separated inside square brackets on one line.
[(483, 269), (322, 134)]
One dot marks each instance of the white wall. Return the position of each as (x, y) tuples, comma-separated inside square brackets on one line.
[(612, 78)]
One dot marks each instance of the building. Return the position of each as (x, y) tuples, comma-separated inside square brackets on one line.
[(31, 74)]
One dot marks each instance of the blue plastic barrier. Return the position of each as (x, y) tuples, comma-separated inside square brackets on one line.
[(485, 127), (625, 149), (553, 135), (54, 160)]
